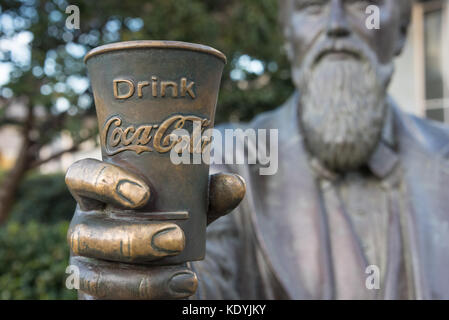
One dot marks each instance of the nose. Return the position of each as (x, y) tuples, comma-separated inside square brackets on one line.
[(337, 26)]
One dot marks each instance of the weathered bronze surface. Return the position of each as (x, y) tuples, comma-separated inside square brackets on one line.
[(359, 183), (135, 208), (100, 277), (118, 281), (123, 240), (143, 91)]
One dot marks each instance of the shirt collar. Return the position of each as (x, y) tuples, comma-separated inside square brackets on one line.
[(385, 158)]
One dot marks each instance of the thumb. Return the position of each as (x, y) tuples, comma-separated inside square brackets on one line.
[(226, 191)]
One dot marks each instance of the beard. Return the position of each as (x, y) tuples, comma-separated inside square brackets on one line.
[(342, 104)]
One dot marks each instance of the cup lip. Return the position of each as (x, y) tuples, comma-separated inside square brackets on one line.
[(140, 44)]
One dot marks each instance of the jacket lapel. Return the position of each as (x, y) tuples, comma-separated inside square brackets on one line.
[(426, 215), (287, 215)]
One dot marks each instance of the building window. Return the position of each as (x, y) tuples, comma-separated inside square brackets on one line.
[(431, 18)]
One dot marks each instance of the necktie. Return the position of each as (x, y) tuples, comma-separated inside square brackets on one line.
[(349, 262)]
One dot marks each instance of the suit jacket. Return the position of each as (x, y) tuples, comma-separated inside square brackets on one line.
[(275, 245)]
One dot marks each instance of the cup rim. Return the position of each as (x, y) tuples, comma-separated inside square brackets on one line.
[(139, 44)]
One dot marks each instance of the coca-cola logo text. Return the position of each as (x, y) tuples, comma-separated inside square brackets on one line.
[(152, 137)]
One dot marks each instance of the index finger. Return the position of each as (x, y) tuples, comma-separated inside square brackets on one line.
[(93, 183)]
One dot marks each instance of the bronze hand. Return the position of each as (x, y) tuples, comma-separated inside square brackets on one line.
[(111, 252)]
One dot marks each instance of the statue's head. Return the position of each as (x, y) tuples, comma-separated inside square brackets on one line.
[(342, 67)]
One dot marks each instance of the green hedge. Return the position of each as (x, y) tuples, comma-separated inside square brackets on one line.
[(44, 198), (33, 249), (33, 259)]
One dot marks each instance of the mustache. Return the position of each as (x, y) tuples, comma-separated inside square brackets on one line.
[(351, 47)]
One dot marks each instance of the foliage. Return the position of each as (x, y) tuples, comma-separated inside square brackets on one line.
[(33, 248), (239, 28), (44, 198), (51, 83), (33, 259)]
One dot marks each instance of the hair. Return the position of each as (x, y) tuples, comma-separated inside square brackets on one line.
[(405, 12)]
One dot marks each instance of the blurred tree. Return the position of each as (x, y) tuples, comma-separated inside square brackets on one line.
[(47, 79)]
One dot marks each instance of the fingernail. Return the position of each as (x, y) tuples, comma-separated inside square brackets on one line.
[(170, 240), (134, 193), (184, 283)]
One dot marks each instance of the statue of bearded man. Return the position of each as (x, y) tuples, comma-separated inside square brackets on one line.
[(357, 208)]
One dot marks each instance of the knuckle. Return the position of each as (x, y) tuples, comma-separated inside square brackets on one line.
[(108, 183), (145, 291), (79, 174), (93, 283), (69, 176)]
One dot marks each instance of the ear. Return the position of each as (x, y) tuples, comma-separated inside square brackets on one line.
[(402, 37)]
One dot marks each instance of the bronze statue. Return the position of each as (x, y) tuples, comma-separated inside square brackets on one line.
[(144, 92), (359, 183)]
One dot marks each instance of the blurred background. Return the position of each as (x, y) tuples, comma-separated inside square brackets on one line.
[(47, 116)]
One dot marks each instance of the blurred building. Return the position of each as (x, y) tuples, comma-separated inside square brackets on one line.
[(421, 82)]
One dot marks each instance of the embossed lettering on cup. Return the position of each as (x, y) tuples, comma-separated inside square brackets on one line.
[(144, 91)]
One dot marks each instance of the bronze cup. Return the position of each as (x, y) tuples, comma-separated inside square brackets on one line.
[(143, 91)]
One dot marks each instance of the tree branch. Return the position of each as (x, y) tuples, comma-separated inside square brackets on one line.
[(56, 155)]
